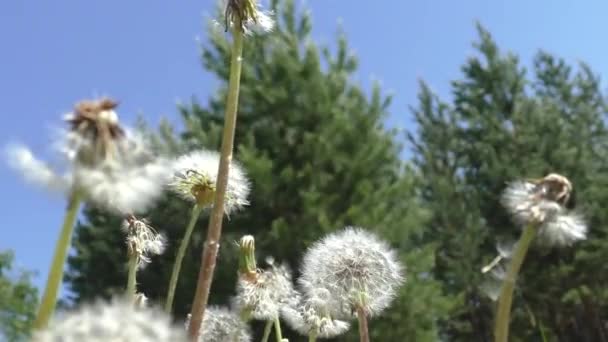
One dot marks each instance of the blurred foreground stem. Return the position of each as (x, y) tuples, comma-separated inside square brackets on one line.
[(363, 329), (214, 231), (53, 283), (503, 312)]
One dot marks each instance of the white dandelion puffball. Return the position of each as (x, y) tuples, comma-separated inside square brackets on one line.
[(142, 239), (220, 324), (262, 295), (307, 317), (117, 321), (195, 178), (563, 230), (356, 268)]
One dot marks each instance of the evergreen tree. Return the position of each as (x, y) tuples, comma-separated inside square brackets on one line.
[(315, 147), (18, 300), (501, 126)]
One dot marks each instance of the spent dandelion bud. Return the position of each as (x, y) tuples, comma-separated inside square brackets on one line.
[(140, 301), (142, 240), (261, 295), (247, 264), (195, 177), (542, 202), (221, 324), (247, 15), (117, 321), (356, 268)]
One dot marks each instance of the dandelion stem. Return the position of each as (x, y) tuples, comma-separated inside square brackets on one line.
[(53, 283), (501, 329), (267, 330), (132, 277), (214, 232), (196, 211), (363, 329), (312, 337), (277, 329)]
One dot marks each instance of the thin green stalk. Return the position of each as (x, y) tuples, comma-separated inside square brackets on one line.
[(214, 231), (277, 330), (132, 277), (196, 212), (312, 337), (267, 330), (363, 328), (501, 329), (53, 283)]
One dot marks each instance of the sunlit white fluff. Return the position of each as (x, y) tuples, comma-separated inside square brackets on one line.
[(356, 268), (195, 178), (220, 325), (36, 171), (261, 296), (309, 316), (117, 321), (563, 230)]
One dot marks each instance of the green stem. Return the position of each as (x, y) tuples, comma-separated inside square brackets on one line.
[(363, 328), (53, 283), (196, 211), (132, 277), (267, 330), (312, 337), (277, 330), (214, 231), (501, 329)]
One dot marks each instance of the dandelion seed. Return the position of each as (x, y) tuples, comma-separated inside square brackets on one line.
[(116, 321), (142, 240), (356, 268), (220, 324), (195, 177)]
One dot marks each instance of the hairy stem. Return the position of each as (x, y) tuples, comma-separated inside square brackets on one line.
[(132, 275), (363, 329), (214, 231), (195, 213), (501, 328), (53, 283), (267, 330)]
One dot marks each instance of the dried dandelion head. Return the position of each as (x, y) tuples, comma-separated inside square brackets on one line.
[(117, 321), (195, 178), (542, 202), (142, 240), (247, 15), (356, 268)]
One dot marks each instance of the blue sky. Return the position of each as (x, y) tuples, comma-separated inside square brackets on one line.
[(145, 54)]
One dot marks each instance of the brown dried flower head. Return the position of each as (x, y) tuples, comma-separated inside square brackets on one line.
[(553, 187), (97, 123)]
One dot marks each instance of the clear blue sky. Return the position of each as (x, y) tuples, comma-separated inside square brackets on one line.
[(145, 54)]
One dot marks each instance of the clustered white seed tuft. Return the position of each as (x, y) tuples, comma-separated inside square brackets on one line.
[(196, 173), (356, 268), (117, 321), (263, 294), (309, 316), (557, 226), (220, 324), (142, 239)]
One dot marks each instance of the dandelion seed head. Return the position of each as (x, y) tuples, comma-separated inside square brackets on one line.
[(248, 15), (263, 294), (220, 324), (356, 268), (195, 177), (117, 321), (307, 316), (563, 230)]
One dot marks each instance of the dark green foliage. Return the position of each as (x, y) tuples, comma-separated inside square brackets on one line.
[(314, 145), (499, 127), (18, 300)]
